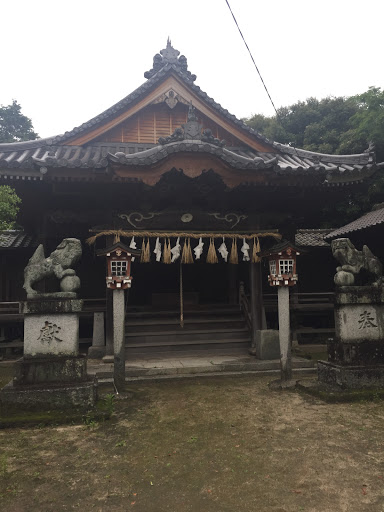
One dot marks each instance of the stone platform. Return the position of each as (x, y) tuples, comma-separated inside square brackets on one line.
[(52, 374), (57, 396), (195, 363), (345, 376)]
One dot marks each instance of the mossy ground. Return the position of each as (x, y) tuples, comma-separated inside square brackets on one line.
[(211, 444)]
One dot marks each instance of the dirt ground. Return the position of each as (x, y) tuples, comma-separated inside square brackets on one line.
[(212, 444)]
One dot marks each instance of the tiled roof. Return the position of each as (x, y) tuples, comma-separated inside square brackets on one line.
[(29, 160), (368, 220), (342, 170), (16, 239), (312, 237)]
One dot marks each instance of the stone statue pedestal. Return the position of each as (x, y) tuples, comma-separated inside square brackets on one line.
[(356, 354), (51, 374)]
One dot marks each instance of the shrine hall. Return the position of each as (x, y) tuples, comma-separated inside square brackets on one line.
[(175, 176)]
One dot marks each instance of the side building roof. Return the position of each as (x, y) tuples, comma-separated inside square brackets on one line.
[(312, 237), (370, 219)]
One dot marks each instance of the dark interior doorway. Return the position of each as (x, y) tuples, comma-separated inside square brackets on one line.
[(159, 284)]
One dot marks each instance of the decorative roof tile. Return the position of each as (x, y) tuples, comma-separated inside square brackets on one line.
[(169, 56), (14, 239)]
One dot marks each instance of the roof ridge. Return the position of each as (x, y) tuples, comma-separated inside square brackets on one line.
[(292, 150), (27, 144)]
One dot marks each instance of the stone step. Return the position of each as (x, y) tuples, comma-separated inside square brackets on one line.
[(173, 324), (161, 347), (168, 367), (182, 335), (137, 313)]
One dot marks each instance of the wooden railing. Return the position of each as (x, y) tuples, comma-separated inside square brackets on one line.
[(94, 305), (9, 308), (245, 305), (314, 301), (302, 305)]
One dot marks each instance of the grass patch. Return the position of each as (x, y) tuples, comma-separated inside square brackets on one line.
[(217, 444)]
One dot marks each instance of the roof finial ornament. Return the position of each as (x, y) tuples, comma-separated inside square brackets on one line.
[(191, 113), (170, 56)]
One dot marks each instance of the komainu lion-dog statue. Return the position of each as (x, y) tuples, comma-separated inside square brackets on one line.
[(354, 263), (58, 264)]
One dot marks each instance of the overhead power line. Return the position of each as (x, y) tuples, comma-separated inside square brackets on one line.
[(253, 60)]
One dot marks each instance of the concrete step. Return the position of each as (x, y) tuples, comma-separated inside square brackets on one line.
[(198, 335)]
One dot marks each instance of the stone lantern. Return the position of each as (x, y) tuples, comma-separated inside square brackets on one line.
[(119, 259), (282, 273)]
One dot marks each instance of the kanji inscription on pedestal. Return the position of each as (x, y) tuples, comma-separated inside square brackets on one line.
[(49, 332), (366, 320)]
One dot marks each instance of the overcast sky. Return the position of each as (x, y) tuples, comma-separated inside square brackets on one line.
[(67, 61)]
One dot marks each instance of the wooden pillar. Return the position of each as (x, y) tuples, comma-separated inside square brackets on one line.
[(256, 302)]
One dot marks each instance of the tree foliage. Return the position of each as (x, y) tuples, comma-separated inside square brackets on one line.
[(15, 126), (334, 125), (9, 207)]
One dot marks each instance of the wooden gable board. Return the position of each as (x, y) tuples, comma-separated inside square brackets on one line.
[(176, 84), (159, 120)]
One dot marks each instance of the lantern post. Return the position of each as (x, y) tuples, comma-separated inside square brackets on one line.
[(119, 278), (283, 274)]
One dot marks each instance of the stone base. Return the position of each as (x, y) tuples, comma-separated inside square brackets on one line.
[(96, 352), (51, 327), (51, 295), (267, 345), (358, 353), (80, 396), (47, 370), (43, 305), (350, 377)]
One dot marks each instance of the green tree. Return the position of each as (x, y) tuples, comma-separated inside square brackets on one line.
[(315, 125), (9, 207), (15, 126)]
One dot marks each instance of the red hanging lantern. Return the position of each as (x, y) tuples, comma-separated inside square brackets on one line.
[(282, 264), (119, 259)]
